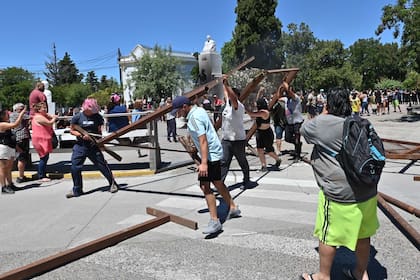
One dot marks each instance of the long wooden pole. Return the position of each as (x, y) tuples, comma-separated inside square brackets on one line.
[(167, 108), (52, 262), (289, 77)]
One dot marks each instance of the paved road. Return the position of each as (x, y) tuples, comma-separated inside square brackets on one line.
[(272, 240)]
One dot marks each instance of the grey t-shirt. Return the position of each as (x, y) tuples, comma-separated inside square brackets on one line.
[(326, 131)]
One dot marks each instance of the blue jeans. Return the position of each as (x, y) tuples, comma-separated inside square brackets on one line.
[(42, 166), (237, 149), (80, 153)]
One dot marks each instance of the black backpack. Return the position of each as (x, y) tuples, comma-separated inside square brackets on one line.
[(362, 154)]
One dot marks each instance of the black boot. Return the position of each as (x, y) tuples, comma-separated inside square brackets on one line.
[(13, 187), (298, 150)]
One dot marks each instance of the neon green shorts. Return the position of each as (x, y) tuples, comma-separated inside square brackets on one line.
[(342, 224)]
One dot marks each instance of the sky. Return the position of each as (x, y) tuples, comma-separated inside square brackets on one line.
[(92, 31)]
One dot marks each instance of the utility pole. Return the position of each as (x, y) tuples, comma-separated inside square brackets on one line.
[(119, 67)]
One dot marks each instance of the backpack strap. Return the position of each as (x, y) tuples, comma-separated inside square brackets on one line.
[(326, 150)]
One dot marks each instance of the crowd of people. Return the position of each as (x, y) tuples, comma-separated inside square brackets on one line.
[(20, 128), (350, 216)]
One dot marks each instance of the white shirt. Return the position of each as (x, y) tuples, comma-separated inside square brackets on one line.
[(233, 123)]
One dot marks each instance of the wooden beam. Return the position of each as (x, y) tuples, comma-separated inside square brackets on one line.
[(175, 219), (402, 205), (400, 142), (288, 78), (250, 87), (410, 232), (52, 262), (402, 156), (195, 93)]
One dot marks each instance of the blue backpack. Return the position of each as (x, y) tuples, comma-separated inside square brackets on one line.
[(362, 154)]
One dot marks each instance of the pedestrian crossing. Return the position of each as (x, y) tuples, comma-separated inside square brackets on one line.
[(274, 201)]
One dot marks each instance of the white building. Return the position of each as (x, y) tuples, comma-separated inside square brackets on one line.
[(127, 66)]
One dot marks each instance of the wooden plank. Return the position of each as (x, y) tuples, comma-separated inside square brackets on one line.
[(409, 231), (274, 71), (288, 78), (416, 178), (250, 87), (402, 205), (400, 142), (174, 218), (402, 156), (49, 263), (195, 93), (93, 139)]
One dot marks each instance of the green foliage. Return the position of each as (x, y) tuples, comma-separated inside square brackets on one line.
[(404, 19), (102, 96), (228, 56), (297, 44), (327, 67), (156, 74), (70, 94), (388, 84), (257, 33), (412, 81), (68, 72), (52, 73), (92, 81), (374, 61), (15, 86)]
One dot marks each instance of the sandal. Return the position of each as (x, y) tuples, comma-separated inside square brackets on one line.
[(309, 275)]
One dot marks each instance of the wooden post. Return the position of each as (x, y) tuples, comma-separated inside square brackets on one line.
[(55, 261), (195, 93)]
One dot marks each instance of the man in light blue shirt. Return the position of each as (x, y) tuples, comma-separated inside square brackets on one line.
[(210, 150)]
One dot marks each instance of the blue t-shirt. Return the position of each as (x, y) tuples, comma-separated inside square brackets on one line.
[(135, 117), (198, 124), (92, 124), (115, 123)]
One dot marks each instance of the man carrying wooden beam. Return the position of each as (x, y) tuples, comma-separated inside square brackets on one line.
[(233, 133), (208, 144)]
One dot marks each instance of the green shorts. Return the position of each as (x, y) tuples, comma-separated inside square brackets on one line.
[(342, 224)]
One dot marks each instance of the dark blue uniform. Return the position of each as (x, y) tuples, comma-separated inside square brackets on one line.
[(83, 149)]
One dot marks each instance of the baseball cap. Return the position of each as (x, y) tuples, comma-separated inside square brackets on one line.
[(178, 102)]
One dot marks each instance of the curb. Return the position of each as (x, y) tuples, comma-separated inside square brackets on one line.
[(90, 174)]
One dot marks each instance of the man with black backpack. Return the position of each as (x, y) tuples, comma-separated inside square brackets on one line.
[(346, 211)]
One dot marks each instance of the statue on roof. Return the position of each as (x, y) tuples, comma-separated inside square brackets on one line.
[(209, 45)]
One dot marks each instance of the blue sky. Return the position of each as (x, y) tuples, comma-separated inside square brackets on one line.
[(91, 31)]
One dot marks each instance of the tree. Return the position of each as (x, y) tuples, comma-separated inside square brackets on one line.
[(52, 72), (15, 86), (297, 44), (70, 94), (108, 83), (68, 72), (375, 61), (92, 81), (404, 15), (329, 68), (156, 74), (257, 33)]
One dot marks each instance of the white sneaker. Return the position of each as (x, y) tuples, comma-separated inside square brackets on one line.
[(213, 227)]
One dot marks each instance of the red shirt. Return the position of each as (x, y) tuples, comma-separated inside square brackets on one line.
[(35, 97)]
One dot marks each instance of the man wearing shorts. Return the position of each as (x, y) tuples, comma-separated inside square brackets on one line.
[(346, 215), (278, 115), (209, 147)]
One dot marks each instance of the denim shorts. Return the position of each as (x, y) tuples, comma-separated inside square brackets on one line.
[(279, 131)]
